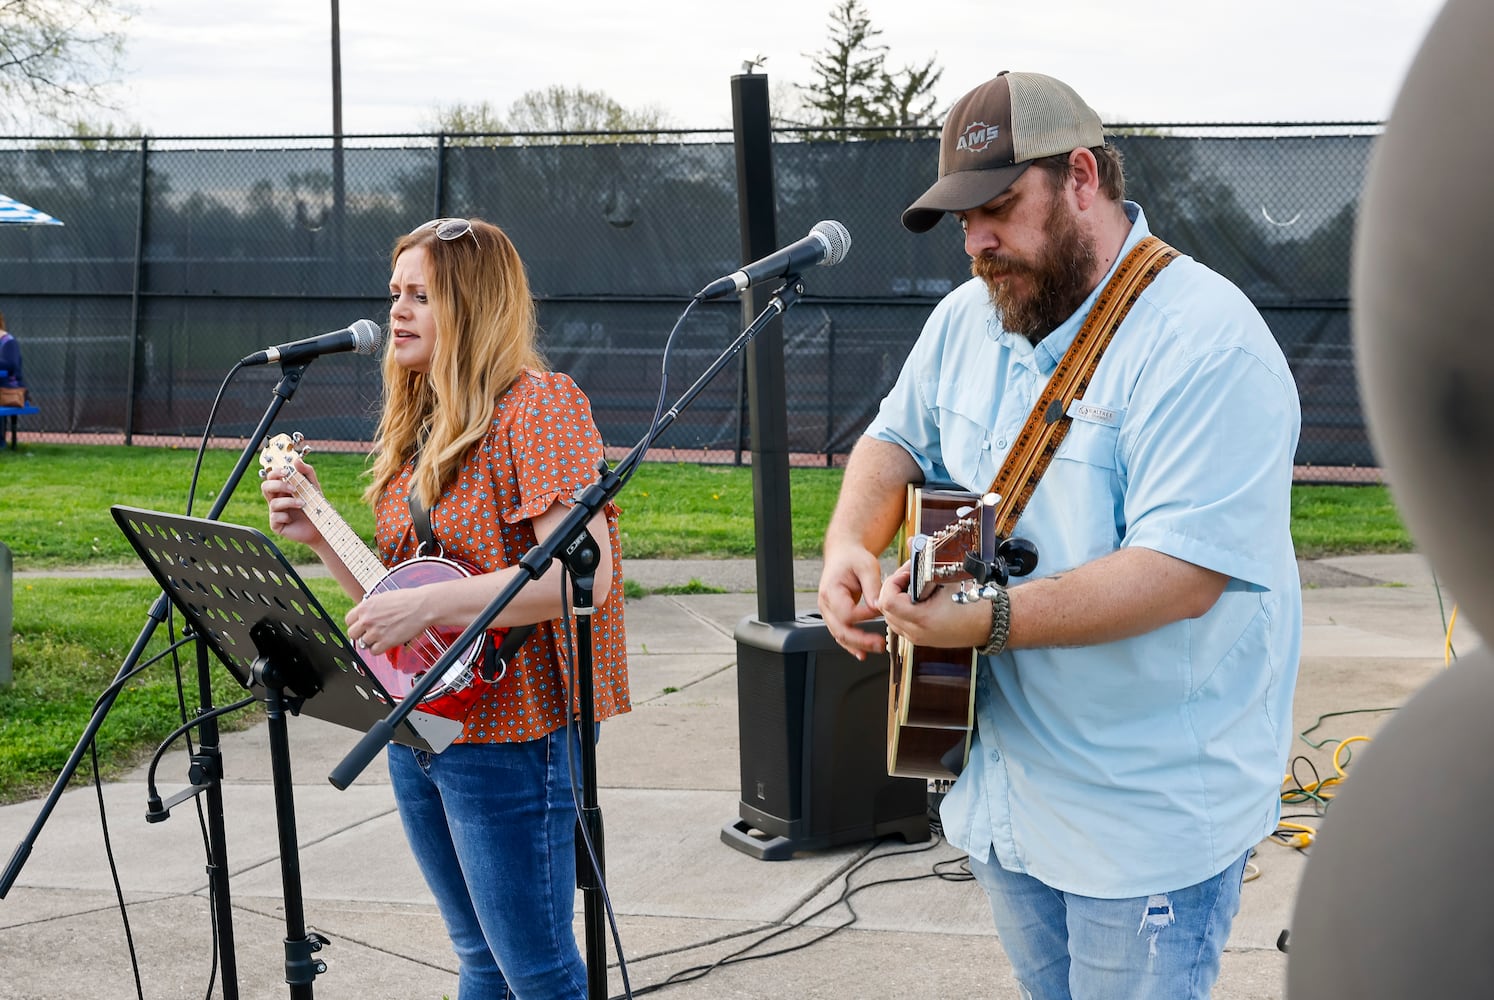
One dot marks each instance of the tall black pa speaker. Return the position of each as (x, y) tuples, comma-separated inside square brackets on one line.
[(812, 722)]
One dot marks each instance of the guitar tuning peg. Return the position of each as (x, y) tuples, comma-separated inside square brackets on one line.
[(263, 472), (297, 437), (1021, 555)]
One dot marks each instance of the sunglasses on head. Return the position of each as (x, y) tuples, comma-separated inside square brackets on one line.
[(448, 229)]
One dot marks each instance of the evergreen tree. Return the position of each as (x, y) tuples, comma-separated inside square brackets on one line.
[(907, 98), (853, 95), (847, 72)]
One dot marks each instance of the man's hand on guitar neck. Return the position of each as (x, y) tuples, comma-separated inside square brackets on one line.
[(937, 620)]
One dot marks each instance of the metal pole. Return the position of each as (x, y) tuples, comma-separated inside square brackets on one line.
[(440, 211), (140, 216), (7, 605), (207, 765), (830, 369), (339, 193)]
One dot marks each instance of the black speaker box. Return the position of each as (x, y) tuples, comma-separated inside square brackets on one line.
[(812, 721)]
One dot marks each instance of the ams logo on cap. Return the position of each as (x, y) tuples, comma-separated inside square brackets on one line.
[(977, 136)]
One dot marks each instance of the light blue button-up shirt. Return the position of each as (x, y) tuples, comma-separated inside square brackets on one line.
[(1147, 764)]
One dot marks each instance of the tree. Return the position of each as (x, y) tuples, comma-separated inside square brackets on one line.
[(907, 98), (576, 109), (555, 109), (847, 72), (854, 91), (477, 118), (56, 58), (79, 133)]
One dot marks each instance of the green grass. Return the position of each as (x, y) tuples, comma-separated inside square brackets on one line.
[(55, 501), (1339, 520), (69, 639), (56, 498), (633, 590), (672, 510), (71, 634)]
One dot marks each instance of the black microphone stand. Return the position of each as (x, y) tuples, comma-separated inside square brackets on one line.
[(206, 770), (577, 550)]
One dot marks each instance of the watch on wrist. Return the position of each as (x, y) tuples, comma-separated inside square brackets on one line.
[(1001, 623)]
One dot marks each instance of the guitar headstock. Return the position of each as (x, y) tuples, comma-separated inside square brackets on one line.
[(950, 543), (943, 554), (281, 451)]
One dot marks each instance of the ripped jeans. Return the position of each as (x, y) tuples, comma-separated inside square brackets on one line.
[(1161, 947)]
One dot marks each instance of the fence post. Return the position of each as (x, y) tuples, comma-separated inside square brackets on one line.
[(7, 615), (830, 368), (130, 385), (440, 211)]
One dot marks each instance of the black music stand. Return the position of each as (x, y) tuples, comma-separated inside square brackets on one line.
[(245, 601)]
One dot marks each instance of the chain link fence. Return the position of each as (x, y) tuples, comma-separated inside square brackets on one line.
[(179, 257)]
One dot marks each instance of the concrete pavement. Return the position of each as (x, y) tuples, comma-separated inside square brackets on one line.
[(669, 779)]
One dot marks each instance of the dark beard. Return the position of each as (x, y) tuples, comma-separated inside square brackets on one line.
[(1060, 279)]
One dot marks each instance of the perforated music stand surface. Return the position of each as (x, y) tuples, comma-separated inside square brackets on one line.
[(246, 602)]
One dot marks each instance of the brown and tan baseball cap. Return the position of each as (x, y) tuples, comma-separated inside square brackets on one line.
[(994, 133)]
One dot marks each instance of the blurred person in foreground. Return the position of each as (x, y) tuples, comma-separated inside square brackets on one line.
[(1133, 696), (494, 447)]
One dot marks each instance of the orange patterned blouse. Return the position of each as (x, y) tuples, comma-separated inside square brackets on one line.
[(541, 448)]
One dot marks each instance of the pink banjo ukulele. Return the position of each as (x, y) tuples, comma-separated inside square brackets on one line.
[(401, 668)]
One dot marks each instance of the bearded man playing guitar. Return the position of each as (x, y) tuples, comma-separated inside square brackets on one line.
[(1133, 696), (479, 438)]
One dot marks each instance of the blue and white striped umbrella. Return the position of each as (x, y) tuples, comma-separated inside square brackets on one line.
[(14, 213)]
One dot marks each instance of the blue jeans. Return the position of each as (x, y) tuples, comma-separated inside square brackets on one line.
[(1161, 947), (492, 826)]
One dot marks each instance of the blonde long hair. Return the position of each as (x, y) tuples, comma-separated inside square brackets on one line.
[(485, 339)]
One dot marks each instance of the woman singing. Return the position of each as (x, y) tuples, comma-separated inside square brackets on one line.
[(494, 447)]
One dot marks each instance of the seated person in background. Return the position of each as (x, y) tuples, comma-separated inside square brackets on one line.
[(10, 369)]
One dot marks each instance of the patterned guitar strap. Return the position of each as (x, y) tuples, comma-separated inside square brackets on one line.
[(1049, 420)]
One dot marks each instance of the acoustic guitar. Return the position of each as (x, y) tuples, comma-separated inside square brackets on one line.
[(399, 669), (949, 537), (931, 691)]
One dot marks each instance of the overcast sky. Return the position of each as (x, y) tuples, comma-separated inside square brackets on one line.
[(263, 67)]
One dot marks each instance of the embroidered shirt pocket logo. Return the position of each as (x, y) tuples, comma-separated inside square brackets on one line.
[(1094, 413), (1092, 436)]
